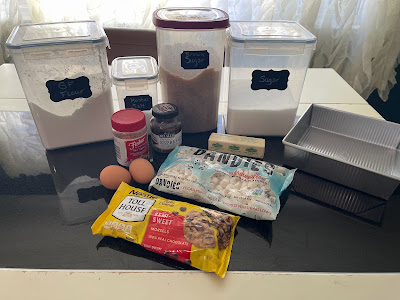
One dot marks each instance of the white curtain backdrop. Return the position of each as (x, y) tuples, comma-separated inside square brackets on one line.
[(358, 38)]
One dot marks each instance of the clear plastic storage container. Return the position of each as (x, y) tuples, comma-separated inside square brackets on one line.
[(268, 62), (64, 73), (190, 43), (135, 78)]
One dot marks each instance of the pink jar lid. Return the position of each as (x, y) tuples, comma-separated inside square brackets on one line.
[(128, 120)]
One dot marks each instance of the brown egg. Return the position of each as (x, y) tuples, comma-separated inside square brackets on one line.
[(141, 170), (112, 176)]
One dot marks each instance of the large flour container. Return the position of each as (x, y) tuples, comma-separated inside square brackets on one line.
[(64, 73), (268, 62), (190, 43)]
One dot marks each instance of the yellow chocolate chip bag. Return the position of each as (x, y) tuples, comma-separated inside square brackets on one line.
[(185, 232)]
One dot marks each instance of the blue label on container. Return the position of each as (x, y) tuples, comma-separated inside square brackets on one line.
[(269, 80), (195, 59), (141, 102), (69, 89)]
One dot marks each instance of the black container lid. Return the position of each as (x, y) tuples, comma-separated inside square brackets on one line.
[(165, 111)]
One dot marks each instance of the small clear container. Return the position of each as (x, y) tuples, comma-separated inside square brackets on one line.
[(267, 64), (135, 78), (190, 43), (63, 70)]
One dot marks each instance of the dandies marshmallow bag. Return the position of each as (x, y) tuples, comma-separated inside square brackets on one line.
[(240, 185)]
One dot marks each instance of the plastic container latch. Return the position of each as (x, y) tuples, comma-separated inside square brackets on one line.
[(274, 49), (136, 84)]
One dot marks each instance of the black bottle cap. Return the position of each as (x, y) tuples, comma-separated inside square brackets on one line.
[(165, 111)]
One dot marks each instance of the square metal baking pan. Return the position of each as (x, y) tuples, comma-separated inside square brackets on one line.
[(350, 149)]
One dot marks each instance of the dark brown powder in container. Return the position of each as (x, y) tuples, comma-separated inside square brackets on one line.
[(197, 98)]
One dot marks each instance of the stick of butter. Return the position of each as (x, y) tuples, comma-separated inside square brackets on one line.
[(235, 144)]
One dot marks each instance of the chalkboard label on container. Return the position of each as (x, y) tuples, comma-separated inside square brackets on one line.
[(195, 59), (69, 89), (141, 102), (269, 80)]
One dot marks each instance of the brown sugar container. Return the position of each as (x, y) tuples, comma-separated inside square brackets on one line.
[(190, 43)]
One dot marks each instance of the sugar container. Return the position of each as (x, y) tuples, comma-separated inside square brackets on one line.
[(135, 79), (190, 43), (267, 63), (64, 74)]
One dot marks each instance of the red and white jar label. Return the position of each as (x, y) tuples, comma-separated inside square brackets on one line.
[(130, 149)]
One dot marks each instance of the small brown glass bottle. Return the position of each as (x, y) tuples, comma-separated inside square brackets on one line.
[(166, 128)]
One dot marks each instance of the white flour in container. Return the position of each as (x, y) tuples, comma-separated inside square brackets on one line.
[(56, 131), (259, 112), (70, 121)]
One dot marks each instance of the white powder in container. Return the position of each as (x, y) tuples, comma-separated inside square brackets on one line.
[(81, 127), (259, 112), (68, 121)]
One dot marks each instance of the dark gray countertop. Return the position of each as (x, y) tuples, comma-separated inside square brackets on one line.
[(49, 200)]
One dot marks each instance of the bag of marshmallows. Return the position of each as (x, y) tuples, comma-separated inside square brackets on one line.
[(244, 186)]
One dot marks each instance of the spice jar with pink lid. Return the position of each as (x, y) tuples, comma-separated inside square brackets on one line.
[(130, 135)]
